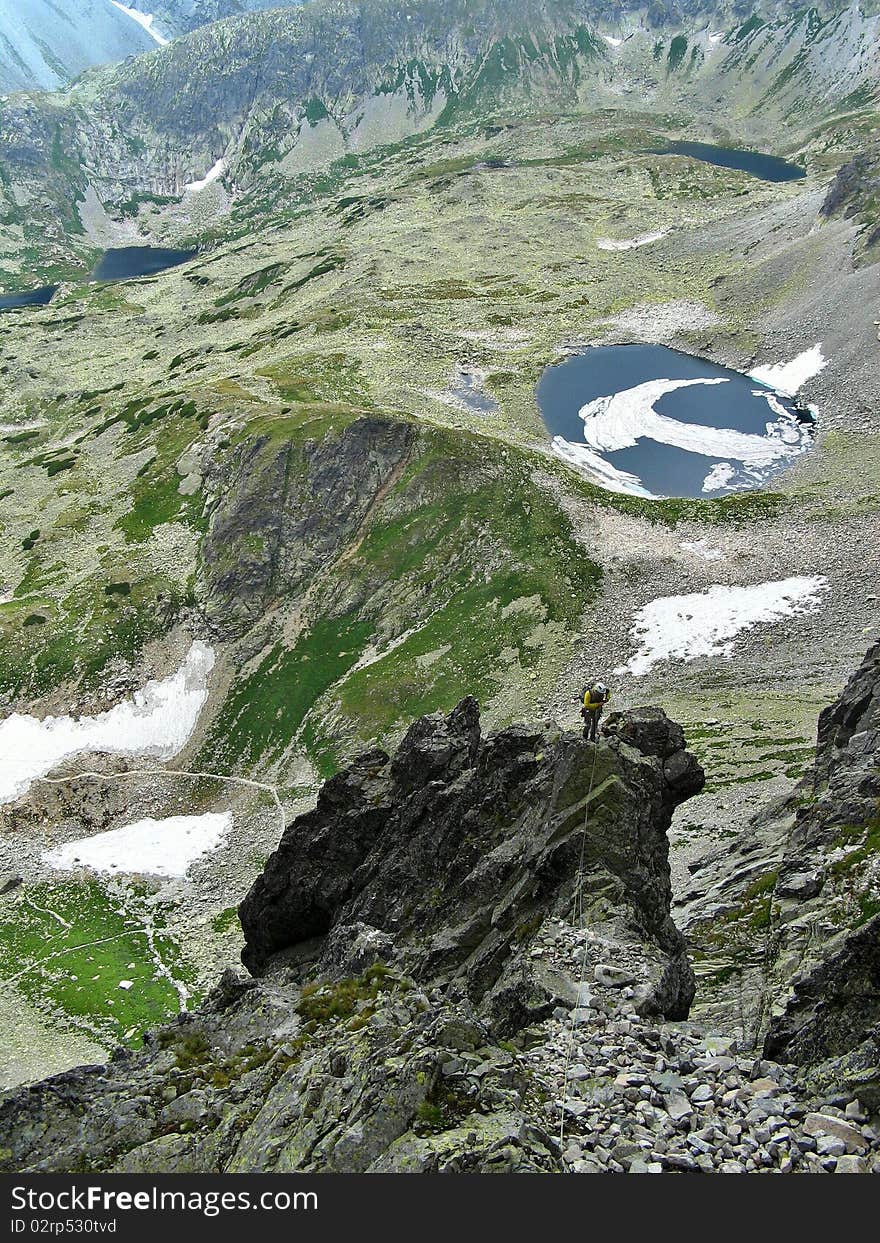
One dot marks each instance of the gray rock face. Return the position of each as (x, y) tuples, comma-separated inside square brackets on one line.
[(285, 510), (458, 847), (830, 861), (835, 1006), (45, 45)]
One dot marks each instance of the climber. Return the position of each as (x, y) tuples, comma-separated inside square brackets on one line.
[(593, 699)]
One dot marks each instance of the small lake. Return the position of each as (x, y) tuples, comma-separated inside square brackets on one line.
[(468, 389), (123, 262), (654, 422), (31, 297), (767, 167)]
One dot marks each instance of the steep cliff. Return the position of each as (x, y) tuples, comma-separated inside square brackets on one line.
[(461, 847), (827, 899), (795, 906)]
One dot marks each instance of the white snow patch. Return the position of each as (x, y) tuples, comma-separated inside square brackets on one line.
[(716, 36), (617, 422), (611, 39), (214, 172), (153, 847), (643, 239), (600, 471), (703, 549), (705, 623), (158, 722), (787, 378), (143, 19), (720, 476)]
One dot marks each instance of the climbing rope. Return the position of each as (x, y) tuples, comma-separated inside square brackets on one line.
[(579, 917)]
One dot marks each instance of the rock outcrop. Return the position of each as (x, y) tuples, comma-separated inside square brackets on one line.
[(460, 847), (829, 882), (400, 934), (797, 907)]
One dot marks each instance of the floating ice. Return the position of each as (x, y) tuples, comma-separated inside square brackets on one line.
[(706, 622), (617, 422), (152, 847), (720, 476), (158, 722), (143, 19), (605, 474), (787, 378)]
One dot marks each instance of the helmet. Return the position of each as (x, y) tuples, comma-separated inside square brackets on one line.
[(601, 688)]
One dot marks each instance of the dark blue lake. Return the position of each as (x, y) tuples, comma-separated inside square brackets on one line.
[(32, 297), (654, 422), (767, 167), (123, 262)]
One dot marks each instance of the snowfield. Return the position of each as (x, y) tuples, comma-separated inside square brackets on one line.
[(213, 174), (143, 19), (706, 622), (787, 378), (151, 847), (157, 722)]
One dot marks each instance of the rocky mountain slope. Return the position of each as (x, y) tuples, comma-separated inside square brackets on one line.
[(421, 941), (281, 93), (43, 46), (796, 907), (394, 921), (178, 17)]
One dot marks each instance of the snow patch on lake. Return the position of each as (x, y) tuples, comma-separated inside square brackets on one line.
[(643, 239), (720, 476), (143, 19), (617, 422), (213, 174), (152, 847), (705, 623), (157, 722), (787, 378), (599, 470)]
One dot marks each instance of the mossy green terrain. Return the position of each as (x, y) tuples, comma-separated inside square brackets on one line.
[(95, 957)]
